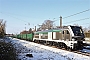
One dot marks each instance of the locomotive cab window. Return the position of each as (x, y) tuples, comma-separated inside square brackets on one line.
[(66, 35), (67, 32), (77, 31), (63, 32)]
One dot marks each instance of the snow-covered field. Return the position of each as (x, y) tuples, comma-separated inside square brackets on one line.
[(41, 52)]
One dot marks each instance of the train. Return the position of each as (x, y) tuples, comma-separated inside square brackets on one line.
[(69, 37)]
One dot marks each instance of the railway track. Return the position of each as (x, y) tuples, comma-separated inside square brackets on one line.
[(78, 51), (83, 53)]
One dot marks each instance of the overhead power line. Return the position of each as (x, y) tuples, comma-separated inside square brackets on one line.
[(76, 20), (74, 14), (77, 13), (15, 17), (85, 23)]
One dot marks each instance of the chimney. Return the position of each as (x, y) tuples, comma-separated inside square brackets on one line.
[(35, 28), (60, 22)]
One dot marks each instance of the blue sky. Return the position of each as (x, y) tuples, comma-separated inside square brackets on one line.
[(17, 13)]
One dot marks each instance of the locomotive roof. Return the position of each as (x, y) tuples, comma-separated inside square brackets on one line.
[(51, 30)]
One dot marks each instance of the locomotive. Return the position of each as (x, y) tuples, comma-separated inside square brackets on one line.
[(70, 37)]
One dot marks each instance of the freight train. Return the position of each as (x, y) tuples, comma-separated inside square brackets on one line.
[(69, 37)]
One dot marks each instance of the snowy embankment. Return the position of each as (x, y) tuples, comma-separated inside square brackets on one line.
[(87, 40), (41, 52)]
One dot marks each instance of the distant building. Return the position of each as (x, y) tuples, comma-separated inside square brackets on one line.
[(24, 32)]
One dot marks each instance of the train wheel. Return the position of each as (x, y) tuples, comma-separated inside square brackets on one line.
[(68, 48), (34, 41), (38, 41), (60, 45), (51, 43)]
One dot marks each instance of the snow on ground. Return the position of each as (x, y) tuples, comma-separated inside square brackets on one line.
[(41, 52), (87, 40)]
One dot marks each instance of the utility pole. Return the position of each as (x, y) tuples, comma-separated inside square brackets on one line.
[(60, 22), (25, 27), (25, 32)]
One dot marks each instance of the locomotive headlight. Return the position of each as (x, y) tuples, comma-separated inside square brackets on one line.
[(73, 39)]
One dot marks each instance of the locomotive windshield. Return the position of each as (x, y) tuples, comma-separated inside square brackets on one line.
[(77, 30)]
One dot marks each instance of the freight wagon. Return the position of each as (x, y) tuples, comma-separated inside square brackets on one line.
[(28, 37)]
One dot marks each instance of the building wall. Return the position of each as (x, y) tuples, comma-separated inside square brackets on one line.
[(87, 35)]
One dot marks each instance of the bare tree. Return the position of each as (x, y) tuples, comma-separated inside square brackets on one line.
[(89, 29), (47, 24), (85, 29), (76, 24), (30, 30), (2, 28)]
